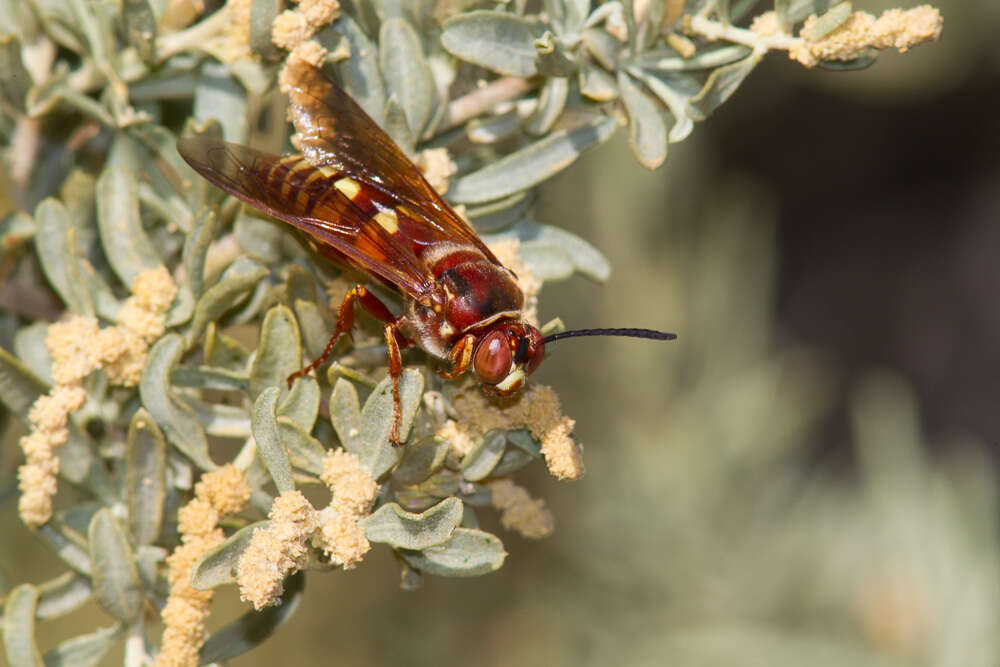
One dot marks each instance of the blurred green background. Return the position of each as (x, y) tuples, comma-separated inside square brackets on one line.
[(808, 475)]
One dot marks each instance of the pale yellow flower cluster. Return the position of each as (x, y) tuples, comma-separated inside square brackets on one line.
[(536, 408), (49, 418), (895, 29), (276, 551), (294, 26), (437, 167), (78, 347), (281, 548), (508, 252), (220, 492), (340, 537), (519, 511), (311, 52)]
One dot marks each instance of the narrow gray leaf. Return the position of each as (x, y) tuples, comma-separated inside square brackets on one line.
[(128, 249), (406, 72), (116, 580), (250, 630), (468, 553), (392, 525), (279, 352), (218, 565), (269, 445), (145, 477), (85, 650), (647, 129), (304, 451), (19, 627), (532, 164), (498, 41), (377, 454)]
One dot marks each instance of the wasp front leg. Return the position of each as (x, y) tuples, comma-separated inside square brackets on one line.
[(460, 357)]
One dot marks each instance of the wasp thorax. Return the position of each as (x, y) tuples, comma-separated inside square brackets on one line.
[(505, 356)]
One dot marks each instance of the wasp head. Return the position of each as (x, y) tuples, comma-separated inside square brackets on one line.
[(506, 355)]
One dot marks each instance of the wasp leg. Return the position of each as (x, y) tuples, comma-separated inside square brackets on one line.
[(395, 371), (345, 322), (460, 357)]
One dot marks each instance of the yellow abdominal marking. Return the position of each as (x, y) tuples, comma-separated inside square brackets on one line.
[(388, 220), (348, 187)]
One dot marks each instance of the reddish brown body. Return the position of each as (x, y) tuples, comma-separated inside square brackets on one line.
[(363, 203)]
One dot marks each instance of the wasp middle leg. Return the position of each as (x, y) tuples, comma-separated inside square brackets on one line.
[(393, 339)]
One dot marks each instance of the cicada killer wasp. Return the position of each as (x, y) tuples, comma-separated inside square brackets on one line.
[(362, 203)]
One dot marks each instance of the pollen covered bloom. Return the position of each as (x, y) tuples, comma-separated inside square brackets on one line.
[(292, 27), (220, 492), (354, 490), (895, 29), (437, 167), (519, 511), (536, 408), (276, 551)]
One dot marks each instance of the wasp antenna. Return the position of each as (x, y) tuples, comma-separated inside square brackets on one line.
[(630, 333)]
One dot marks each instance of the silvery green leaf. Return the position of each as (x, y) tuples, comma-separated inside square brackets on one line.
[(250, 630), (196, 243), (77, 517), (398, 127), (224, 351), (523, 440), (220, 96), (218, 565), (260, 238), (513, 459), (421, 460), (269, 446), (377, 454), (177, 419), (491, 129), (62, 595), (262, 15), (551, 251), (66, 544), (315, 327), (468, 553), (16, 227), (359, 74), (240, 279), (140, 28), (484, 456), (210, 377), (597, 84), (603, 47), (676, 93), (19, 627), (302, 403), (723, 82), (304, 451), (551, 102), (800, 9), (345, 415), (532, 164), (117, 588), (84, 651), (668, 61), (19, 387), (647, 129), (220, 420), (300, 284), (128, 249), (406, 72), (391, 524), (182, 308), (568, 16), (499, 214), (57, 251), (498, 41), (279, 352), (830, 21), (552, 60), (145, 477), (16, 81)]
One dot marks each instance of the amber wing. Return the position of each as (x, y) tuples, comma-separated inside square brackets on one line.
[(335, 131), (303, 195)]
